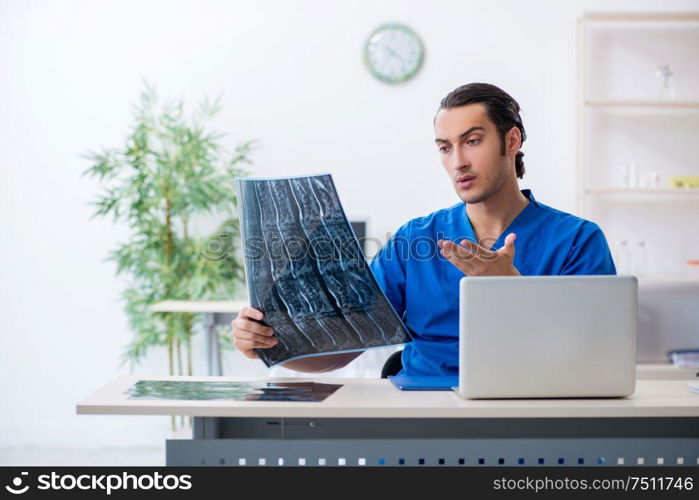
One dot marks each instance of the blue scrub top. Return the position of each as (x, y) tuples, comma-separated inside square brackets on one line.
[(423, 286)]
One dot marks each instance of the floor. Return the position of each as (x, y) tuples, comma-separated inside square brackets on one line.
[(82, 456), (91, 456)]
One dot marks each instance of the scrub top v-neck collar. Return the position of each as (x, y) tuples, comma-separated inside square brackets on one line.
[(520, 221)]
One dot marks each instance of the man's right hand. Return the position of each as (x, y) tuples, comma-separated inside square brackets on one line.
[(248, 334)]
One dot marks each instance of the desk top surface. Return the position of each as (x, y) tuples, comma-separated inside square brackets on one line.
[(200, 306), (378, 398)]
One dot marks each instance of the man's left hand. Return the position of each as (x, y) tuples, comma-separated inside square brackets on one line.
[(475, 260)]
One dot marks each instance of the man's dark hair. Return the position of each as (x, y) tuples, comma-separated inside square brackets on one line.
[(502, 110)]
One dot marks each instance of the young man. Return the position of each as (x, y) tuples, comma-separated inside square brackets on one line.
[(479, 134)]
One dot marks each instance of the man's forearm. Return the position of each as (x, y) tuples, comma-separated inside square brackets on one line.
[(320, 364)]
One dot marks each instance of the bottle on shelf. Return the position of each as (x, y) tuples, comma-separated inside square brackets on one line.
[(650, 180), (623, 258), (629, 175), (640, 260)]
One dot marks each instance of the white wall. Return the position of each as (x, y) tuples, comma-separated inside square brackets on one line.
[(293, 78)]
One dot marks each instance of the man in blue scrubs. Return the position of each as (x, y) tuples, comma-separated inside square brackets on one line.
[(495, 229)]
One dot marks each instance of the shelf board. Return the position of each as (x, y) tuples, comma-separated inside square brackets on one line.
[(641, 16), (663, 191), (669, 283), (644, 104)]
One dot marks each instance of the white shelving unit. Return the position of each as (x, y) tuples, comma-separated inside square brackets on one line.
[(644, 104), (641, 191), (622, 119)]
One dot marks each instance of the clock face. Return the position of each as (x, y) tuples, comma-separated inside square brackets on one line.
[(393, 53)]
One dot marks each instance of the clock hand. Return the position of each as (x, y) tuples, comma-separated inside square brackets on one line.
[(393, 53)]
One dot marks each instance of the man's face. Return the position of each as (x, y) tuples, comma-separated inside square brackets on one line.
[(470, 150)]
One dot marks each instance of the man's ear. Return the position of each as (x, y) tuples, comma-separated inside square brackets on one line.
[(513, 139)]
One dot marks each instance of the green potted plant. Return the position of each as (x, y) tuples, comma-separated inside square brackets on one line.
[(170, 170)]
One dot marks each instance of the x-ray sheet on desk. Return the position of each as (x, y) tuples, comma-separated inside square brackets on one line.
[(234, 391), (307, 273)]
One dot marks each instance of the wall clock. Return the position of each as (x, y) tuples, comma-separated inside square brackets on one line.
[(393, 53)]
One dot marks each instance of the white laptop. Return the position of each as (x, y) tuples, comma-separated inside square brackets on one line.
[(547, 336)]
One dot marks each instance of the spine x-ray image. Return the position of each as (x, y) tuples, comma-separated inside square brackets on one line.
[(307, 273)]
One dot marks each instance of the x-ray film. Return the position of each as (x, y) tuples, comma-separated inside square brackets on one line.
[(307, 273), (233, 391)]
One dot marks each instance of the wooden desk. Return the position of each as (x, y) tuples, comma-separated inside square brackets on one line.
[(370, 420)]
